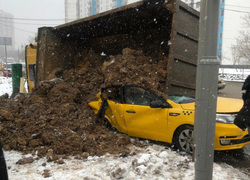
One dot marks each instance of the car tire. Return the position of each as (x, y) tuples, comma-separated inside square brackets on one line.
[(184, 139)]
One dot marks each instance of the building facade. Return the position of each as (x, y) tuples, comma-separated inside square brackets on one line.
[(84, 8), (221, 22), (71, 10), (77, 9), (104, 5), (196, 5), (7, 30)]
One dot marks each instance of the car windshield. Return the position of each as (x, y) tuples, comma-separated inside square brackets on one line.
[(181, 99)]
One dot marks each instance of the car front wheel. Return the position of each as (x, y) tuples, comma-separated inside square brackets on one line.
[(184, 139)]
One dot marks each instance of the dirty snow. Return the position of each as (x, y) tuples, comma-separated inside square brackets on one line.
[(5, 85), (153, 162), (238, 75)]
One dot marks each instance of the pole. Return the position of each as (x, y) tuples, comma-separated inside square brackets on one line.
[(242, 74), (6, 57), (206, 89), (18, 55)]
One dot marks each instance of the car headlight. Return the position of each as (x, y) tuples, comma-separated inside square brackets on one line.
[(225, 118)]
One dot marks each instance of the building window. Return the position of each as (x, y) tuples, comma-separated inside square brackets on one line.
[(220, 46), (220, 36), (222, 12), (198, 5), (221, 23)]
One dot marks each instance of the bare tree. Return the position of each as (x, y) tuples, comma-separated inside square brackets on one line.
[(235, 56), (246, 20), (241, 49)]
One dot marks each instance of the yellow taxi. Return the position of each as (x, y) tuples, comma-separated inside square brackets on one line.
[(139, 112)]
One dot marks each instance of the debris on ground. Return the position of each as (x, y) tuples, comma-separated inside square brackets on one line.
[(55, 120), (27, 160)]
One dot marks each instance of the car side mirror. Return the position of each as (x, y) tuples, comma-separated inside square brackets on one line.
[(158, 104)]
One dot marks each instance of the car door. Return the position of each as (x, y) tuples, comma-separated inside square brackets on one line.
[(142, 120), (115, 111)]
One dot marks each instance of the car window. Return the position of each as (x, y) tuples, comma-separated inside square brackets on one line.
[(181, 99), (139, 96), (113, 94), (32, 72)]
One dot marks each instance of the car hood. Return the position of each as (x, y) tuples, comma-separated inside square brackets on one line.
[(224, 105)]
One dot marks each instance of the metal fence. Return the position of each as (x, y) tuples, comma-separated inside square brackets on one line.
[(234, 72)]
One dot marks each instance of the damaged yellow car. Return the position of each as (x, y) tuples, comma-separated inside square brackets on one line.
[(139, 112)]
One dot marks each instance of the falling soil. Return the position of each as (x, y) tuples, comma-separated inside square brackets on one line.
[(55, 120)]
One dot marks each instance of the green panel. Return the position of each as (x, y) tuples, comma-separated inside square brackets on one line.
[(16, 75)]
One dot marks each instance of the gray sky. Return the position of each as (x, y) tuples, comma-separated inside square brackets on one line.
[(32, 9), (232, 25), (54, 9)]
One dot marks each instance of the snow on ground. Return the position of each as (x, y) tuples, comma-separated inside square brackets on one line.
[(155, 162), (238, 75), (245, 72), (5, 85)]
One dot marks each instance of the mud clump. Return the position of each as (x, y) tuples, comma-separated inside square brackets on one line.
[(133, 67), (23, 161), (55, 120)]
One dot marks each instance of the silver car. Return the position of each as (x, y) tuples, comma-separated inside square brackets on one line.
[(221, 84)]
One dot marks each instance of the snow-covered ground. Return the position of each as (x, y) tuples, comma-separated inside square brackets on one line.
[(155, 162), (5, 85), (229, 74)]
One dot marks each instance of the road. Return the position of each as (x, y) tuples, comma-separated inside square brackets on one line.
[(237, 158), (232, 90)]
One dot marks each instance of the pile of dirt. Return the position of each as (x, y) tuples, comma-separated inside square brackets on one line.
[(133, 67), (55, 119)]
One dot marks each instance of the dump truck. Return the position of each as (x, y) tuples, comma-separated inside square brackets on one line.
[(152, 26), (29, 69), (30, 64)]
